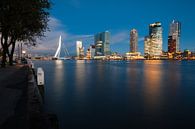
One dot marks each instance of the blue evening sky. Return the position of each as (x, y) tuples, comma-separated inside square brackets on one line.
[(79, 18)]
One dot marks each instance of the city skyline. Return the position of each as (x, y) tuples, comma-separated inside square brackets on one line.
[(95, 64), (86, 20)]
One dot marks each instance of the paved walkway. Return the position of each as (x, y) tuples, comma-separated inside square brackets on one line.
[(21, 102), (13, 97)]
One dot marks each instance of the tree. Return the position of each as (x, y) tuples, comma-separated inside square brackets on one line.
[(21, 20)]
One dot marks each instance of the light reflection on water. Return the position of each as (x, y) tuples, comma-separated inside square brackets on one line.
[(152, 77), (80, 76), (59, 76), (134, 94)]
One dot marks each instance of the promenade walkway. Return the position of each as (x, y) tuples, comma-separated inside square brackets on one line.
[(20, 101), (13, 97)]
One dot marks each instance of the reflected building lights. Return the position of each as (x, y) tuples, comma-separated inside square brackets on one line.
[(152, 82), (80, 76), (174, 78), (59, 75), (134, 72), (59, 63)]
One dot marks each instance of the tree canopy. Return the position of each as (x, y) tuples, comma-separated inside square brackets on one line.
[(22, 20)]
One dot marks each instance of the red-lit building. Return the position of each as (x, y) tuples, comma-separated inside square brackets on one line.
[(174, 37), (171, 45)]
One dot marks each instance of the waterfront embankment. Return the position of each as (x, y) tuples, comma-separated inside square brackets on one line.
[(21, 105)]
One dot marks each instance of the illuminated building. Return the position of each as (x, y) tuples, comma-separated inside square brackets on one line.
[(134, 56), (88, 55), (78, 46), (102, 44), (187, 54), (79, 49), (174, 37), (90, 52), (133, 40), (147, 46), (153, 42), (81, 53), (171, 45)]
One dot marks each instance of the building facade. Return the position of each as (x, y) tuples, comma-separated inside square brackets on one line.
[(174, 37), (102, 44), (133, 40), (79, 49), (90, 52), (153, 42), (147, 46)]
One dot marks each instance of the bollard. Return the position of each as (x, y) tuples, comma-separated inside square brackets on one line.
[(32, 65), (40, 77)]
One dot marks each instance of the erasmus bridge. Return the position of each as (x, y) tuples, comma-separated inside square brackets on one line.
[(62, 48)]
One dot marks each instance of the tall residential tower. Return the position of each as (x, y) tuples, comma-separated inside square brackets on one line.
[(174, 37), (133, 40)]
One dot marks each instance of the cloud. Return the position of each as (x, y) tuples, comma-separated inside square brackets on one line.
[(123, 37), (49, 43), (120, 37), (141, 39), (55, 23), (75, 3)]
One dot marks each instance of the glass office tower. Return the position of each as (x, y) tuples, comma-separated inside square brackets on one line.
[(102, 44)]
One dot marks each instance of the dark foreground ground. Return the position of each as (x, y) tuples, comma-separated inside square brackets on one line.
[(20, 101)]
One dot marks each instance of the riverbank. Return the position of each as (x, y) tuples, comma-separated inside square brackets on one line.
[(117, 59), (21, 102)]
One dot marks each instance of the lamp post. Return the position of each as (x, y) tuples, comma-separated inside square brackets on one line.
[(23, 53)]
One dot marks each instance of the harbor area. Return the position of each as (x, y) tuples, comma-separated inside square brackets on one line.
[(21, 104)]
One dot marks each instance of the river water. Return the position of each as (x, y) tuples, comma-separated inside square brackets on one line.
[(120, 94)]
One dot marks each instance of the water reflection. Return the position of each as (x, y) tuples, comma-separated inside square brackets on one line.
[(80, 76), (152, 83), (100, 71), (156, 62), (133, 74), (173, 76), (58, 76), (145, 94)]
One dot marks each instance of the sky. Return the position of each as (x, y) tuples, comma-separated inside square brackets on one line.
[(81, 19)]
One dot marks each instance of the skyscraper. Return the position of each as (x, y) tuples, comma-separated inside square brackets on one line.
[(79, 49), (133, 40), (174, 37), (147, 46), (102, 43), (90, 52), (153, 42)]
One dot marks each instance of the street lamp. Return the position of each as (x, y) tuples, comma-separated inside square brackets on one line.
[(23, 53)]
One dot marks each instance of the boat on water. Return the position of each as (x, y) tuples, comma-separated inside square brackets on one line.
[(53, 58), (64, 58)]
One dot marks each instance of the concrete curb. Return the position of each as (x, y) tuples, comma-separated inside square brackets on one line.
[(38, 119)]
